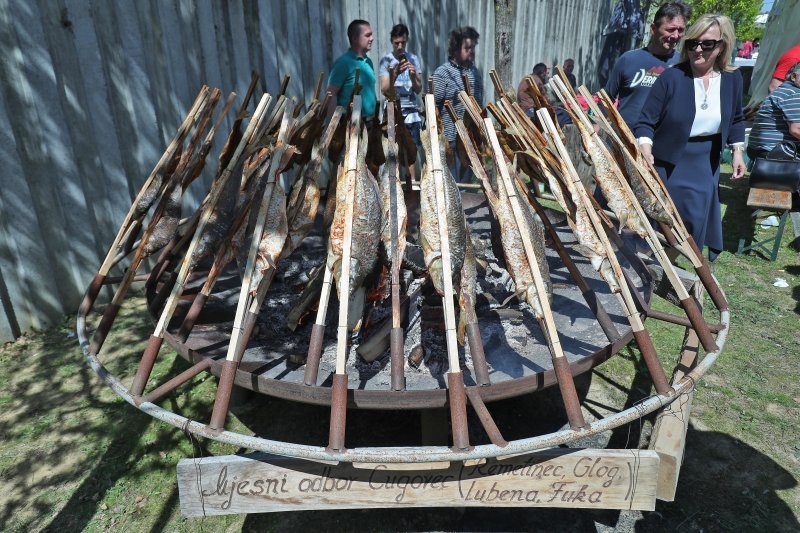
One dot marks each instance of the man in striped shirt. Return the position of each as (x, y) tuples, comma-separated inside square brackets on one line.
[(448, 82), (776, 128)]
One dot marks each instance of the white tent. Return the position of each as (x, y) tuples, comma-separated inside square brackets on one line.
[(780, 34)]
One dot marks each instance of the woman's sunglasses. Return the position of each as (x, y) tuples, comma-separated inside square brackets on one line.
[(706, 45)]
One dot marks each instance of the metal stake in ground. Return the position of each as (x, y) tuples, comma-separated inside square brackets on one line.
[(455, 378)]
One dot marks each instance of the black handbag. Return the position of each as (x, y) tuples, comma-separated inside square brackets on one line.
[(780, 173)]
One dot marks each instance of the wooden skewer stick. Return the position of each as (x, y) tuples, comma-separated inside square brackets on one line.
[(473, 331), (318, 331), (396, 334), (157, 337), (689, 305), (641, 335), (129, 224), (111, 310), (245, 315), (565, 80), (284, 85), (677, 234), (455, 379), (339, 385), (547, 320), (318, 88)]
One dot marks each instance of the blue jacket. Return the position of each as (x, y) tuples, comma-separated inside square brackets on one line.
[(669, 111)]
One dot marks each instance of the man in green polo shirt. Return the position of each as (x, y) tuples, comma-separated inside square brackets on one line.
[(343, 73)]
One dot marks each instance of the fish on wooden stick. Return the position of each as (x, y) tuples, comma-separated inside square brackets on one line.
[(582, 202), (457, 230), (269, 237), (160, 230), (157, 337), (442, 204), (340, 257), (527, 275), (676, 233), (364, 198), (631, 162), (305, 196), (623, 202), (140, 204)]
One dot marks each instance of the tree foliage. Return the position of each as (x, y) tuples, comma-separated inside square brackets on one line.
[(743, 13)]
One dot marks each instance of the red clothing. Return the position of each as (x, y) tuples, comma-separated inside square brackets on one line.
[(746, 49), (786, 61)]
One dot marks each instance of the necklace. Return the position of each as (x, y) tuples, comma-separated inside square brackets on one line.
[(704, 105)]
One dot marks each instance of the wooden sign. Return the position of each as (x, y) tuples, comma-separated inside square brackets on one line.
[(559, 477)]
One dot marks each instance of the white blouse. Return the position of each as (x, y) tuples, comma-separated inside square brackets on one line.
[(708, 110)]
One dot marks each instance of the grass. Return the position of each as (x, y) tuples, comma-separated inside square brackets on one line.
[(77, 457)]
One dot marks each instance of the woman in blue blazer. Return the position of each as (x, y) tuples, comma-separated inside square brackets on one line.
[(691, 110)]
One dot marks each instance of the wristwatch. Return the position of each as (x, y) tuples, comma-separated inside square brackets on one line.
[(737, 148)]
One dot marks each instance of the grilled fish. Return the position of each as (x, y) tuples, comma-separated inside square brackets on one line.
[(167, 224), (388, 181), (276, 227), (644, 185), (367, 215), (608, 179), (514, 250), (589, 244), (648, 200), (304, 198), (429, 220), (219, 223)]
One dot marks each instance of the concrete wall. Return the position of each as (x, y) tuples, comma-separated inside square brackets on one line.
[(91, 92)]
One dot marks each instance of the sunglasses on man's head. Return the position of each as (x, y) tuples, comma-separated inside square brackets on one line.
[(706, 45)]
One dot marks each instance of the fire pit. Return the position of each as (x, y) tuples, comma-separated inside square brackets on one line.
[(516, 351), (599, 301)]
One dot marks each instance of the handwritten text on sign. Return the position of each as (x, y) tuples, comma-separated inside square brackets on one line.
[(609, 479)]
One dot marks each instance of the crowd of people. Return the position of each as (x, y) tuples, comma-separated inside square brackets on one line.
[(653, 87)]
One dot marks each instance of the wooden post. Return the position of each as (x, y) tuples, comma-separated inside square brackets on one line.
[(339, 386), (455, 380), (396, 335)]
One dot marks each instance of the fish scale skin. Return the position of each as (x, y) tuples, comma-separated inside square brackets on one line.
[(367, 218), (429, 221)]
